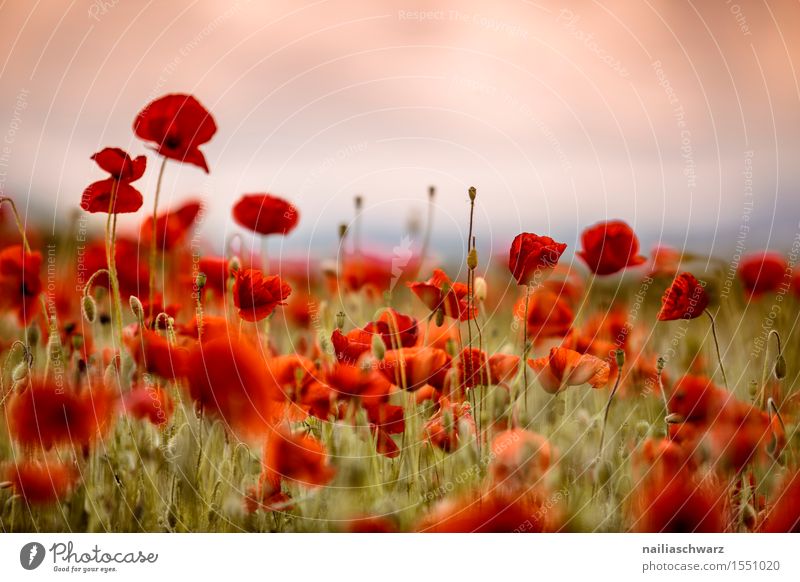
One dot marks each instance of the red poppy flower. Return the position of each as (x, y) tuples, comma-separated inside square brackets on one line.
[(171, 227), (549, 315), (446, 427), (416, 367), (609, 247), (177, 125), (256, 295), (217, 273), (40, 483), (395, 329), (155, 354), (151, 403), (20, 282), (673, 503), (533, 256), (783, 516), (298, 458), (762, 272), (686, 298), (133, 273), (123, 170), (664, 260), (228, 378), (565, 367), (363, 271), (366, 384), (266, 214), (520, 458), (46, 415), (439, 292), (386, 420)]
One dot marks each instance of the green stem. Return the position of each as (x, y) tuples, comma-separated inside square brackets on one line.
[(154, 239), (716, 345)]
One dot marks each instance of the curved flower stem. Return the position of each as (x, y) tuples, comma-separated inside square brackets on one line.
[(605, 421), (525, 348), (154, 239), (716, 345), (111, 261), (764, 373)]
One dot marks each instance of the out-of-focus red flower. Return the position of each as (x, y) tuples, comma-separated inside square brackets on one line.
[(386, 420), (365, 384), (177, 125), (677, 503), (133, 273), (565, 367), (123, 170), (520, 458), (171, 227), (783, 514), (256, 295), (395, 329), (266, 214), (361, 271), (227, 377), (439, 292), (495, 512), (549, 315), (155, 354), (416, 367), (40, 483), (20, 282), (532, 257), (217, 273), (475, 369), (686, 298), (664, 261), (151, 403), (445, 428), (47, 414), (370, 524), (609, 247), (296, 457), (763, 272)]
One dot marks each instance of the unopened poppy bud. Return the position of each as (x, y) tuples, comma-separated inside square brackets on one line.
[(77, 341), (620, 356), (749, 516), (780, 367), (234, 264), (431, 192), (89, 308), (439, 317), (479, 289), (342, 231), (201, 280), (660, 364), (642, 428), (378, 347), (340, 320), (451, 348), (472, 193), (20, 372), (136, 307), (359, 200), (447, 421), (674, 418), (33, 335), (472, 259), (752, 388)]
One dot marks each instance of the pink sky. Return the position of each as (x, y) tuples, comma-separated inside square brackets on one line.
[(646, 111)]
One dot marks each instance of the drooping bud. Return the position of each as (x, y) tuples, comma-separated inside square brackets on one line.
[(472, 259), (20, 372), (378, 347), (479, 289), (620, 356), (472, 193), (137, 308), (780, 367), (89, 308)]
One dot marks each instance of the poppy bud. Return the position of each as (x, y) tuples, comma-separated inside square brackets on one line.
[(439, 317), (340, 320), (5, 484), (33, 335), (20, 373), (479, 289), (378, 347), (472, 193), (136, 307), (234, 264), (431, 192), (472, 259), (201, 280), (359, 200), (660, 364), (89, 308), (752, 388), (342, 231), (749, 516), (620, 356), (780, 367), (674, 418), (77, 341)]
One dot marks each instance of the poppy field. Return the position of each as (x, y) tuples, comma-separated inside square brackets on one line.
[(149, 385)]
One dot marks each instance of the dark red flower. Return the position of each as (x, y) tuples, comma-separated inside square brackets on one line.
[(171, 227), (686, 298), (675, 503), (396, 330), (156, 355), (133, 272), (783, 515), (217, 273), (266, 214), (123, 170), (533, 256), (449, 424), (549, 314), (228, 378), (415, 367), (299, 458), (40, 483), (47, 414), (609, 247), (439, 292), (762, 272), (177, 125), (256, 295), (151, 403), (20, 282)]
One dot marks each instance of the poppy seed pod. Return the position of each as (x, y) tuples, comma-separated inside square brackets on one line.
[(479, 289), (620, 356), (439, 317), (472, 193), (201, 280), (472, 259), (89, 308)]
